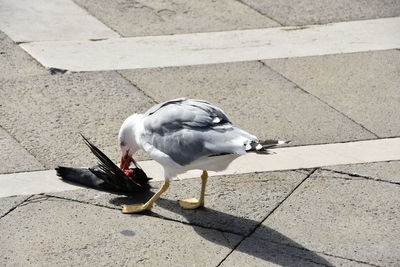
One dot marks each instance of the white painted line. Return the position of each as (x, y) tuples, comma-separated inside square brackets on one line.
[(218, 47), (289, 158), (40, 20)]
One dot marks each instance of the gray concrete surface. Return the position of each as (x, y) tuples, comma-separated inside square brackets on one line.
[(364, 86), (273, 107), (15, 158), (50, 232), (143, 18), (236, 204), (386, 171), (343, 216), (14, 62), (303, 12), (259, 252), (9, 203), (40, 20), (257, 219), (46, 113)]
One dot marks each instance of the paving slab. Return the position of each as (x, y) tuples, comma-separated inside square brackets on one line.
[(260, 252), (29, 183), (15, 62), (386, 171), (234, 203), (56, 232), (41, 20), (217, 47), (13, 157), (255, 98), (9, 203), (339, 215), (363, 86), (144, 18), (303, 12), (46, 114)]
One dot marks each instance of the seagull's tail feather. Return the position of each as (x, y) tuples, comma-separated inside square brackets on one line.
[(263, 146), (273, 143), (106, 175)]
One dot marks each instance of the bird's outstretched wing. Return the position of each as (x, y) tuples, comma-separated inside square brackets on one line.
[(106, 175)]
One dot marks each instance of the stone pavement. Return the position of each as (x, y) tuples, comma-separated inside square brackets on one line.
[(343, 215)]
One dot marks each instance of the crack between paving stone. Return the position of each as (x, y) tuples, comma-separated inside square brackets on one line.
[(80, 201), (268, 215), (222, 231), (344, 258), (299, 248), (345, 178), (319, 99), (42, 197), (316, 251), (8, 212), (363, 177), (35, 199), (148, 213), (27, 151), (154, 215), (259, 12), (137, 87)]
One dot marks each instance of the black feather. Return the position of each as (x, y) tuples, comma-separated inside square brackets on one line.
[(106, 175), (81, 176)]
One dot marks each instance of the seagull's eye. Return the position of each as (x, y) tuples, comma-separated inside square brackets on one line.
[(122, 143)]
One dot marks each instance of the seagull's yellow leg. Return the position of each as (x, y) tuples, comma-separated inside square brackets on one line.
[(148, 205), (193, 203)]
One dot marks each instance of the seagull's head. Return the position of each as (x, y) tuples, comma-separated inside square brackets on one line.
[(127, 139)]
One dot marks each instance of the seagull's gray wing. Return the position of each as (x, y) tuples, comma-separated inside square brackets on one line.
[(184, 112), (188, 129)]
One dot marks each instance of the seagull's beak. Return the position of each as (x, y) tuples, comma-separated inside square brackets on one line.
[(126, 160)]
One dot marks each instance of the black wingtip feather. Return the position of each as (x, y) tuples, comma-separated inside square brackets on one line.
[(80, 176), (114, 175), (106, 175)]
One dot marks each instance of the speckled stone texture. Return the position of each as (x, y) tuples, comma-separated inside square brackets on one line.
[(52, 232), (144, 18), (46, 113), (255, 98), (349, 217)]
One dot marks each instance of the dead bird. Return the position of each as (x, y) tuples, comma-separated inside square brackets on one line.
[(106, 175)]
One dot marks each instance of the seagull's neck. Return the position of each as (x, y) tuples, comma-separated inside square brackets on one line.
[(129, 132)]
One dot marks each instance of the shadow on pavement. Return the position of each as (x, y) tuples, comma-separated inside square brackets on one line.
[(269, 245)]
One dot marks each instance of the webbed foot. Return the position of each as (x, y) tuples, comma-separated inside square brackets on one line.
[(191, 203), (135, 208)]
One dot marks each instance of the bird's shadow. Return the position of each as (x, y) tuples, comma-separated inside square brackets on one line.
[(269, 244)]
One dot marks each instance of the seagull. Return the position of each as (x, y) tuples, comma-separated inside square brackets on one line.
[(185, 134)]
